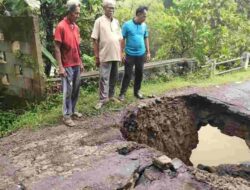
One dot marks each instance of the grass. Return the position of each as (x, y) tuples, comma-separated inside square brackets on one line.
[(48, 112)]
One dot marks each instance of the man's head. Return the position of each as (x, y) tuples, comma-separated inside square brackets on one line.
[(109, 8), (73, 10), (141, 14)]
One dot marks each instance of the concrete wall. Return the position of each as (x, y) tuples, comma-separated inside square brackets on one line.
[(21, 73)]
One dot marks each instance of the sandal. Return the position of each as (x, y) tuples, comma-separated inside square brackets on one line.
[(69, 122), (115, 100), (77, 115)]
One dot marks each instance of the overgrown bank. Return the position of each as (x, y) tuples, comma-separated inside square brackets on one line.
[(48, 112)]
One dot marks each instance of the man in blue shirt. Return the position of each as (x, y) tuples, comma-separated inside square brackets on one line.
[(136, 43)]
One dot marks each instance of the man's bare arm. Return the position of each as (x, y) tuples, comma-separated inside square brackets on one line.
[(147, 49), (59, 58), (122, 43), (96, 52)]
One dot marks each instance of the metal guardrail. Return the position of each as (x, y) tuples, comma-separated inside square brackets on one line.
[(211, 64), (244, 61), (147, 66), (230, 70)]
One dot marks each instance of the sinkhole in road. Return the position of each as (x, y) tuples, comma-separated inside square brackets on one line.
[(175, 125)]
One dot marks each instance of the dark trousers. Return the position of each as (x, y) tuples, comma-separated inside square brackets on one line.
[(130, 62)]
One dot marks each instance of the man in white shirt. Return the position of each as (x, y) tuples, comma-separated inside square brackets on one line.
[(107, 38)]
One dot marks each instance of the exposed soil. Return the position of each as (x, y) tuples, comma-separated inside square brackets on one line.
[(95, 156), (164, 123)]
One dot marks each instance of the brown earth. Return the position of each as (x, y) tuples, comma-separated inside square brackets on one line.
[(166, 124)]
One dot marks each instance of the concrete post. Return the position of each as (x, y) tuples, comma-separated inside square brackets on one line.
[(245, 60), (213, 67)]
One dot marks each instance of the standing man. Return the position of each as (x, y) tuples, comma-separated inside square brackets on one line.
[(107, 37), (67, 53), (135, 36)]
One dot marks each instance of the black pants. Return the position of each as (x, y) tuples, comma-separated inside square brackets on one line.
[(130, 61)]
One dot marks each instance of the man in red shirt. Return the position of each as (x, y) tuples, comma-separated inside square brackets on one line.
[(67, 53)]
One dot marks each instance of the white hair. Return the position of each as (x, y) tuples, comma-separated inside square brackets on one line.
[(72, 4), (108, 2)]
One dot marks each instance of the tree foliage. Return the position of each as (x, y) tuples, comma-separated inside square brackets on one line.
[(198, 28), (205, 29)]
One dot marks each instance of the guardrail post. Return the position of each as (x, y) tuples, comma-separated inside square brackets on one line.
[(245, 60), (213, 67)]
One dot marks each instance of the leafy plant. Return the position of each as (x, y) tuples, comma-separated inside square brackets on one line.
[(49, 56), (88, 62), (6, 119)]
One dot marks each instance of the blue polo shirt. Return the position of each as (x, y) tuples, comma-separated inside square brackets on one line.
[(134, 34)]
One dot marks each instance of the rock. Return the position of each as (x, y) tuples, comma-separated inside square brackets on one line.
[(127, 149), (171, 173), (246, 164), (162, 162), (131, 183), (151, 96), (142, 105), (153, 179), (151, 174), (59, 169), (177, 163), (158, 100), (123, 151), (206, 168), (20, 186)]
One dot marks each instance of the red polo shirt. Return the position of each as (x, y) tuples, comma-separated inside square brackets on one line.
[(68, 34)]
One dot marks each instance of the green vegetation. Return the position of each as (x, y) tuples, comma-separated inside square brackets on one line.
[(48, 112), (204, 29)]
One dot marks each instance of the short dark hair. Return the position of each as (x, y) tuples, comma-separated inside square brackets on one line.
[(71, 6), (141, 9)]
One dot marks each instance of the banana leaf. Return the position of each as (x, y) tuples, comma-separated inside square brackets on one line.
[(49, 56)]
